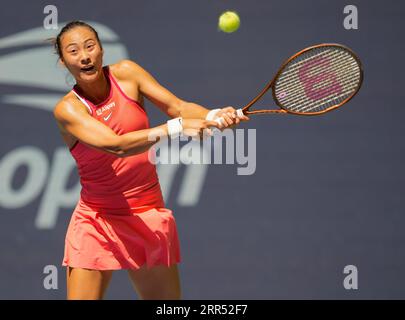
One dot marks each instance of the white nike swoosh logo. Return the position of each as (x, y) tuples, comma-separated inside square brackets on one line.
[(107, 117)]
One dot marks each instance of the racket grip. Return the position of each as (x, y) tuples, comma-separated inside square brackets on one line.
[(239, 113)]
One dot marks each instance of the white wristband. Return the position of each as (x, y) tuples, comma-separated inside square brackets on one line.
[(210, 116), (175, 127)]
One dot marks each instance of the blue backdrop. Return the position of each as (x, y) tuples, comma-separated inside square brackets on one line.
[(327, 191)]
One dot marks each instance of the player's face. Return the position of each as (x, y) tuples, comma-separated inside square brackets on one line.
[(82, 54)]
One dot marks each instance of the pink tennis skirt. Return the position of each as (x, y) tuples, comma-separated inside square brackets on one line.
[(128, 240)]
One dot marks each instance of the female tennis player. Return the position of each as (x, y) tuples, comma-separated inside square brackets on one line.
[(120, 221)]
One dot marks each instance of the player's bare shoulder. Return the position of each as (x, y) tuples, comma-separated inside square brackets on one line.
[(126, 70), (67, 107)]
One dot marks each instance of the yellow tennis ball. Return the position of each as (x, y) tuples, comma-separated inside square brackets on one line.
[(229, 21)]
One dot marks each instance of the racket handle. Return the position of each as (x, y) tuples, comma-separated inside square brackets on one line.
[(239, 113)]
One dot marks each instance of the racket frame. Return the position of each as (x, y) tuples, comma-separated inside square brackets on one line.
[(283, 110)]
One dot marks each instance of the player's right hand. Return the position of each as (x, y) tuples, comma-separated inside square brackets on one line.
[(229, 118)]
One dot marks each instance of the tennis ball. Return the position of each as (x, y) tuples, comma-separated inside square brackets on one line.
[(229, 21)]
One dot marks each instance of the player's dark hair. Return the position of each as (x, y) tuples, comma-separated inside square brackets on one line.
[(69, 26)]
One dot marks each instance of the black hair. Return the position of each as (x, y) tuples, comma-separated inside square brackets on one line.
[(69, 26)]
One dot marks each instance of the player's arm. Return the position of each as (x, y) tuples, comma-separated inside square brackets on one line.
[(74, 119), (165, 100)]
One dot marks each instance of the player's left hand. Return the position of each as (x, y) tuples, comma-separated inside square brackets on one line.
[(229, 117)]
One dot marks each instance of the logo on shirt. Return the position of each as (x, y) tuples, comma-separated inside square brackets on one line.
[(108, 117), (107, 109)]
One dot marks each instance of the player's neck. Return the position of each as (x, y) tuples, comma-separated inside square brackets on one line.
[(96, 91)]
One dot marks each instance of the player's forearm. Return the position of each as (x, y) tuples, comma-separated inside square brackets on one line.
[(137, 142), (190, 110)]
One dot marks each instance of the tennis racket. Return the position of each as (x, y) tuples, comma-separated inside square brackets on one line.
[(314, 81)]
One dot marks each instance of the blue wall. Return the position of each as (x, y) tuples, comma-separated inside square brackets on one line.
[(327, 191)]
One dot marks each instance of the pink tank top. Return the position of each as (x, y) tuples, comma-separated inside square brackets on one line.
[(109, 182)]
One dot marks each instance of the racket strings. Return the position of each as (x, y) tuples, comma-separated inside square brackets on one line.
[(317, 80), (323, 103), (305, 105), (342, 70), (296, 64), (343, 75)]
